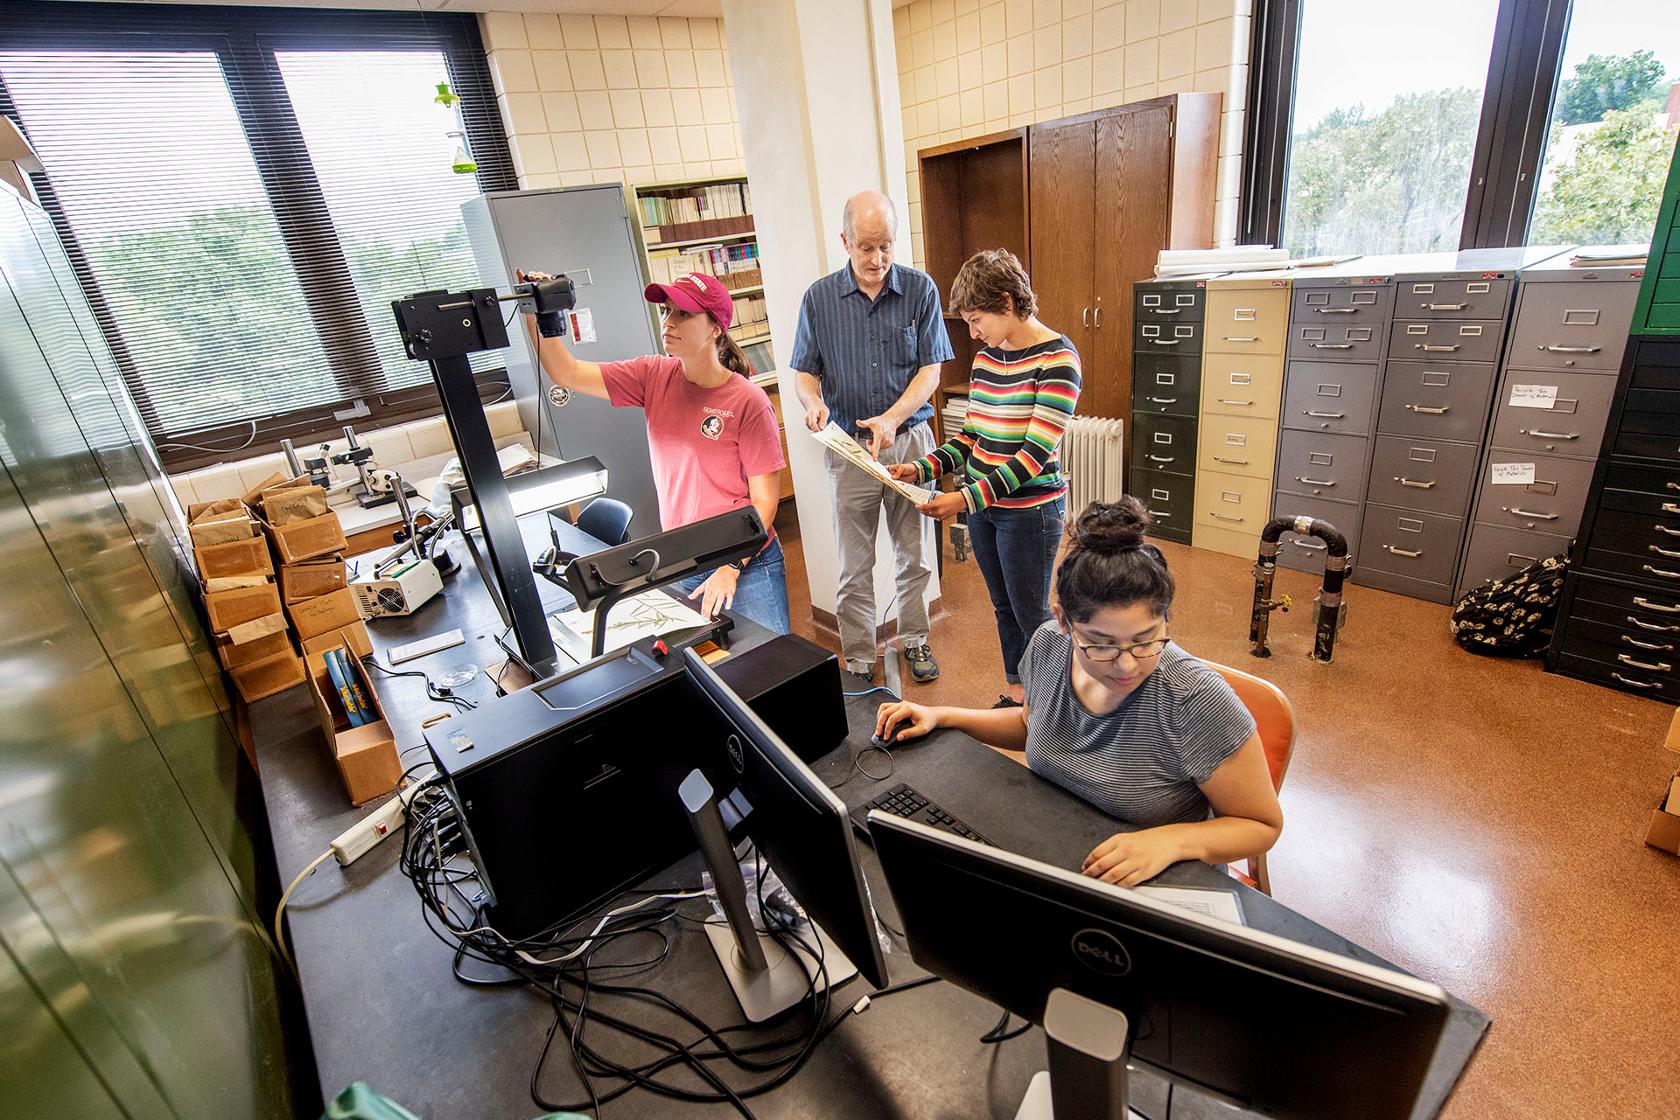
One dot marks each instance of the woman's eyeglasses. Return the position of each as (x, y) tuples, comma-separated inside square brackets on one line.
[(1140, 651)]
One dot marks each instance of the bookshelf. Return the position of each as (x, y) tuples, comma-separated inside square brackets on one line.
[(706, 225)]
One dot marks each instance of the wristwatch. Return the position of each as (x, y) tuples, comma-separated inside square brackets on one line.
[(738, 565)]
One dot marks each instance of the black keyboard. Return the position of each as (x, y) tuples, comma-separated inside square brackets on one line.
[(904, 801)]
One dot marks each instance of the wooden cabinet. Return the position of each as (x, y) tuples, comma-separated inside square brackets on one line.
[(1086, 202)]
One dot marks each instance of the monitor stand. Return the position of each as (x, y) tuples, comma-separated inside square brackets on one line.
[(767, 978), (1087, 1075)]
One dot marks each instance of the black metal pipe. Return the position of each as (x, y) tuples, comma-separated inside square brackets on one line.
[(1329, 596)]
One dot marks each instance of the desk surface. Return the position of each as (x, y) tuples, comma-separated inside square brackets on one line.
[(384, 1008)]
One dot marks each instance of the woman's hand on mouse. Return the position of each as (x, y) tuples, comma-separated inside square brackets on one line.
[(917, 720), (1129, 858)]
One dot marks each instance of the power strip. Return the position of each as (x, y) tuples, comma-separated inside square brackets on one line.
[(363, 836)]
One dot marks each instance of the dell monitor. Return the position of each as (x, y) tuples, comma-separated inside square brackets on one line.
[(1117, 979), (802, 830)]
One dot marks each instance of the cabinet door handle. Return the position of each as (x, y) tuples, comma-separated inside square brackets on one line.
[(1414, 483), (1324, 415), (1641, 601), (1163, 400), (1652, 626), (1570, 349), (1518, 511), (1660, 572), (1404, 551), (1635, 684), (1427, 411), (1336, 310), (1538, 434), (1166, 341), (1443, 306), (1163, 458), (1665, 530), (1331, 345), (1655, 647), (1222, 517), (1664, 552), (1229, 338), (1315, 481), (1659, 667), (1244, 463), (1096, 318), (1228, 400), (1085, 318), (1310, 546), (1431, 348)]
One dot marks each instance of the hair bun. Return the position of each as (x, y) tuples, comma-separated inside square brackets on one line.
[(1111, 527)]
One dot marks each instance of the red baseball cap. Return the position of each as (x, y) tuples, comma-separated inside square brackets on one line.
[(697, 294)]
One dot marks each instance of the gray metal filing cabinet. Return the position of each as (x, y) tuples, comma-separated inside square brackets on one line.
[(1450, 312), (1338, 328), (1168, 318), (1555, 393)]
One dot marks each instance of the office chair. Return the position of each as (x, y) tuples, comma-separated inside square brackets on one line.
[(607, 520), (1274, 717)]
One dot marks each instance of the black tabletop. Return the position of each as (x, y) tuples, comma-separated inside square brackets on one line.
[(384, 1008)]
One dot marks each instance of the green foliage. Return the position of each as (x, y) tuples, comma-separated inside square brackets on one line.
[(1389, 182), (1605, 83), (1609, 190)]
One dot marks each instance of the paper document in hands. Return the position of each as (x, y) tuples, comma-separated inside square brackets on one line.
[(843, 445)]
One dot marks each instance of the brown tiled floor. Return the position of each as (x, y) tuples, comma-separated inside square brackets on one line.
[(1477, 821)]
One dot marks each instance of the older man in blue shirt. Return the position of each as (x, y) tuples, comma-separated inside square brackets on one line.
[(870, 341)]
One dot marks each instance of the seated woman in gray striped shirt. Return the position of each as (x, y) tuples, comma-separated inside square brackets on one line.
[(1118, 714)]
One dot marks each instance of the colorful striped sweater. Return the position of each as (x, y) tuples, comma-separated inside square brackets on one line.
[(1019, 403)]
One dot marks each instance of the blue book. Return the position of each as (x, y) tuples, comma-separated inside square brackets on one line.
[(340, 673)]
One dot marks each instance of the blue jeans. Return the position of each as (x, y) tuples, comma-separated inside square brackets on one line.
[(760, 594), (1015, 549)]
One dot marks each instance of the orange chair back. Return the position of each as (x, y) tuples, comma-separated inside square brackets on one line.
[(1274, 719)]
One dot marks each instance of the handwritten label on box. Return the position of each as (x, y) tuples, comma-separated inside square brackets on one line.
[(1511, 474), (1533, 396)]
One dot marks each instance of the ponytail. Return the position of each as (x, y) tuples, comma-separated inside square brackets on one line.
[(732, 357), (1109, 564)]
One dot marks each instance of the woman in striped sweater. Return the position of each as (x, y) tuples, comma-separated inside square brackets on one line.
[(1021, 394)]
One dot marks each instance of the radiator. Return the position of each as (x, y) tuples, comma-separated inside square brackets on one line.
[(1092, 455)]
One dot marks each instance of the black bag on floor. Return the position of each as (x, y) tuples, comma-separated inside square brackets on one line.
[(1512, 617)]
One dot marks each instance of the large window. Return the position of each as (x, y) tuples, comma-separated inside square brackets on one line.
[(1445, 124), (243, 201)]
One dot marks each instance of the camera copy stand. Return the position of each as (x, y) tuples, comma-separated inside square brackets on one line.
[(442, 328)]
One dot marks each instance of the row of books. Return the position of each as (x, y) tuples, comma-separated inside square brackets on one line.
[(696, 204), (665, 265), (751, 316)]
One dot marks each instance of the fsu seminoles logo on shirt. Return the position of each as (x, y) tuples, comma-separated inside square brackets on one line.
[(711, 424)]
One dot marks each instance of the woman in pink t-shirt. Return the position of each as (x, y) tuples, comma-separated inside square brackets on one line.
[(712, 434)]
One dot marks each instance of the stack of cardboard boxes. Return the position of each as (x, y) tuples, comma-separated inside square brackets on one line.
[(241, 599), (1664, 832)]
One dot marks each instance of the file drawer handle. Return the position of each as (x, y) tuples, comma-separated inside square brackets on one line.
[(1652, 626), (1415, 484), (1163, 458), (1331, 345), (1324, 415), (1570, 349), (1518, 511), (1163, 400), (1167, 310), (1410, 554), (1431, 348), (1671, 507), (1310, 546), (1336, 310), (1443, 306), (1666, 552), (1229, 338), (1641, 601), (1228, 400), (1222, 517), (1672, 485), (1655, 647), (1664, 573), (1316, 481), (1659, 667), (1635, 684), (1244, 463), (1158, 516), (1166, 341), (1661, 528), (1427, 411), (1538, 434)]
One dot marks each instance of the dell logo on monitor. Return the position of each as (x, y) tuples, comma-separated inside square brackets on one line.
[(737, 754), (1101, 951)]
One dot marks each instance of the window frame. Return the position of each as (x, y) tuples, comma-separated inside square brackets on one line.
[(1524, 66), (245, 41)]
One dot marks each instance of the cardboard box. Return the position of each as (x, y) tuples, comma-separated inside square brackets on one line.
[(241, 604), (235, 654), (312, 579), (308, 539), (1664, 832), (245, 557), (366, 755), (268, 676), (288, 504), (228, 583), (326, 612), (355, 636), (256, 628)]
